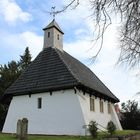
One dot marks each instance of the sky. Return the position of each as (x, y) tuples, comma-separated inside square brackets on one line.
[(21, 24)]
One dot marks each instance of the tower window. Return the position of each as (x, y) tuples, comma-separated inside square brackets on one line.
[(48, 34), (58, 36), (39, 103)]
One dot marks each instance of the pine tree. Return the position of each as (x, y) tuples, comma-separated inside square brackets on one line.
[(25, 59), (8, 74)]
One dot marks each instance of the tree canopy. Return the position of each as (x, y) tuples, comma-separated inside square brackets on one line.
[(130, 115)]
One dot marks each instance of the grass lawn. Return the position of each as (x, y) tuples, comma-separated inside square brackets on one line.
[(33, 137), (126, 132)]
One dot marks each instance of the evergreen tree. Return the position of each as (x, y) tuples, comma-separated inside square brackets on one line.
[(25, 59), (8, 74)]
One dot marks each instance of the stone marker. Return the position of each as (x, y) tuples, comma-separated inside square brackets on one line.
[(18, 133), (22, 129)]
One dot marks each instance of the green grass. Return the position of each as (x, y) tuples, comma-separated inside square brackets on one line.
[(58, 138), (35, 137), (126, 132), (7, 137)]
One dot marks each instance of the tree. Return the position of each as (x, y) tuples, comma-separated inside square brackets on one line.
[(25, 59), (8, 74), (130, 115), (128, 13)]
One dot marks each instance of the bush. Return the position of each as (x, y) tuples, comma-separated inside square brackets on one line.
[(111, 127), (93, 128)]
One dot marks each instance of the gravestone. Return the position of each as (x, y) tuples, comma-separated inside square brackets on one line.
[(22, 129), (18, 133)]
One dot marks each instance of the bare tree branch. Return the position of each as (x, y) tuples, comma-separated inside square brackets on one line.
[(73, 4)]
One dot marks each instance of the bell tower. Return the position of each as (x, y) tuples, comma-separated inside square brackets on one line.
[(53, 36)]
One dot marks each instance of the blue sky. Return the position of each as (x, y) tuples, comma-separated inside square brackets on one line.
[(21, 24)]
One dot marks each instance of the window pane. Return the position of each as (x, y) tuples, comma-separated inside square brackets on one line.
[(109, 108), (101, 106), (39, 103), (58, 36), (48, 34), (92, 104)]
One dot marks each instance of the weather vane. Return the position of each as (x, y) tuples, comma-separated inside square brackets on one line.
[(53, 12)]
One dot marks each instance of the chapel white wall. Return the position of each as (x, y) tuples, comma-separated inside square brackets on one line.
[(60, 114), (101, 118)]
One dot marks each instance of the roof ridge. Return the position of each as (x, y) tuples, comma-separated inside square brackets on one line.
[(67, 65)]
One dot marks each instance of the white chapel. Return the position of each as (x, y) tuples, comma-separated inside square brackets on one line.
[(58, 94)]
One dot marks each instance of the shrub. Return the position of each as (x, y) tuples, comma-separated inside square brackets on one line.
[(93, 128), (111, 127)]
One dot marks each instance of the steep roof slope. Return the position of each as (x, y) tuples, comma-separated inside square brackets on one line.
[(54, 70)]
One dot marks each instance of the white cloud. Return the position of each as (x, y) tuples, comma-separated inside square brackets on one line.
[(74, 17), (33, 41), (12, 12), (18, 42)]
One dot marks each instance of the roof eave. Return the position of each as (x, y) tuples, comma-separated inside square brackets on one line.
[(53, 27), (35, 91), (97, 93)]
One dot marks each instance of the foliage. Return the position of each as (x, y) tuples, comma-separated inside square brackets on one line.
[(111, 127), (3, 113), (35, 137), (8, 74), (130, 115), (25, 59), (126, 132), (93, 128)]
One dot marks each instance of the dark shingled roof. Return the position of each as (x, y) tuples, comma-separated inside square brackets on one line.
[(55, 70)]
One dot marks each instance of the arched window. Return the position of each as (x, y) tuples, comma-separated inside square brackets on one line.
[(101, 106), (92, 104), (109, 108)]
